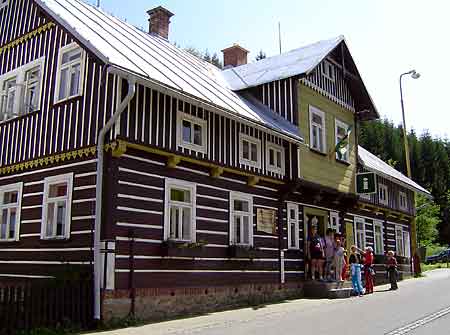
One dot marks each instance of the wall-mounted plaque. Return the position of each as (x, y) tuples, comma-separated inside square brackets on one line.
[(265, 220)]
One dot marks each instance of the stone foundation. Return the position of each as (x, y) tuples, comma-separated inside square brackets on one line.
[(156, 304)]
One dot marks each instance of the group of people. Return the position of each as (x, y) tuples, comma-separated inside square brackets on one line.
[(327, 260)]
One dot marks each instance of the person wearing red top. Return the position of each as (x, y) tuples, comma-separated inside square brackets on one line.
[(391, 267), (368, 269)]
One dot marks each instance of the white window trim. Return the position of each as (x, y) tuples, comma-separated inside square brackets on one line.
[(68, 48), (406, 252), (245, 161), (341, 124), (3, 5), (336, 216), (328, 64), (65, 178), (274, 168), (386, 191), (315, 110), (355, 231), (399, 252), (403, 207), (293, 206), (378, 224), (249, 199), (192, 187), (194, 120), (9, 188), (19, 73)]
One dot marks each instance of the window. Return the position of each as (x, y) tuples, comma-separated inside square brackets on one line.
[(275, 158), (293, 227), (56, 212), (383, 194), (406, 244), (403, 201), (10, 205), (241, 219), (378, 237), (341, 129), (334, 222), (192, 133), (328, 70), (317, 129), (20, 90), (360, 233), (402, 242), (70, 72), (180, 216), (3, 4), (250, 151)]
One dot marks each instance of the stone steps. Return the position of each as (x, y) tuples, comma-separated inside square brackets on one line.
[(326, 290)]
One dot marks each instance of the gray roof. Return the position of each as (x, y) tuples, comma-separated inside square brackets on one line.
[(149, 56), (375, 164), (296, 62)]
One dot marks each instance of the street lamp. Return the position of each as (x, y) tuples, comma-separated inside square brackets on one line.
[(414, 75)]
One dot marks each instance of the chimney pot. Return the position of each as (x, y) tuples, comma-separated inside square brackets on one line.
[(159, 21), (234, 56)]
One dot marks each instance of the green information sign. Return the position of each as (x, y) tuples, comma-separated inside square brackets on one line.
[(365, 183)]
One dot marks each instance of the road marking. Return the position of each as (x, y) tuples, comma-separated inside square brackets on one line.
[(419, 323)]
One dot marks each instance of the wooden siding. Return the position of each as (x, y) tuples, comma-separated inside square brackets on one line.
[(336, 90), (280, 96), (139, 181), (33, 256)]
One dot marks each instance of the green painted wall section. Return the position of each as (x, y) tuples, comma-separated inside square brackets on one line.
[(325, 169)]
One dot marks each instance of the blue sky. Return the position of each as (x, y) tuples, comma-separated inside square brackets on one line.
[(385, 37)]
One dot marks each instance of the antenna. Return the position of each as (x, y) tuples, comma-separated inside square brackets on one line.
[(279, 35), (98, 3)]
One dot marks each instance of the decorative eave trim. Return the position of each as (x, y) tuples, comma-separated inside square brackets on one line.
[(27, 36)]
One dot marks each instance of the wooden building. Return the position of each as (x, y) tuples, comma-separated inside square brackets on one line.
[(199, 183)]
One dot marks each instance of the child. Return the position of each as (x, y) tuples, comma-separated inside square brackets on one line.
[(339, 260), (391, 268), (355, 264)]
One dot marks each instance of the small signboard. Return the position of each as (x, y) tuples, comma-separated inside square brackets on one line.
[(265, 220), (365, 183)]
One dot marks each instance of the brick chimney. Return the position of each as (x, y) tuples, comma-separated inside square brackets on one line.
[(159, 21), (234, 56)]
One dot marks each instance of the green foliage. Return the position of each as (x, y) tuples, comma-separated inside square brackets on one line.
[(429, 267), (434, 249), (428, 219), (430, 166), (205, 55), (261, 55)]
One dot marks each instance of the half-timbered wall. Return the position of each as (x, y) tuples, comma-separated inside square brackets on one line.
[(153, 121), (336, 89), (138, 210), (31, 255), (280, 96)]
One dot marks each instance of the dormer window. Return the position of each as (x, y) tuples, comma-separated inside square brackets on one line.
[(3, 4), (70, 72), (20, 90), (328, 70), (192, 133)]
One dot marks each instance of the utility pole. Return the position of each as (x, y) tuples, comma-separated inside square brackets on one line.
[(279, 35)]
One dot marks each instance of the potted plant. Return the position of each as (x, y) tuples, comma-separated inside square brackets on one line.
[(175, 248)]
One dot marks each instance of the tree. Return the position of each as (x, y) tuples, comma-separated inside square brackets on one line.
[(260, 55), (427, 220), (205, 55)]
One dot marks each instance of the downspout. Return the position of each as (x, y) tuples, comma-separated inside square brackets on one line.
[(99, 193)]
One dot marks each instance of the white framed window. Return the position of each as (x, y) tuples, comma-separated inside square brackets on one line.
[(383, 195), (360, 232), (192, 132), (317, 137), (241, 219), (10, 208), (328, 70), (275, 158), (293, 226), (3, 4), (57, 207), (70, 75), (378, 238), (402, 242), (334, 222), (180, 211), (341, 130), (403, 201), (20, 90), (249, 151), (406, 244)]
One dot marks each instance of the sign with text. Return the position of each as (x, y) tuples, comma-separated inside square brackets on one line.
[(265, 220), (366, 183)]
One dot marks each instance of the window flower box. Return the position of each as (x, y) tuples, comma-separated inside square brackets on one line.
[(242, 251), (183, 249)]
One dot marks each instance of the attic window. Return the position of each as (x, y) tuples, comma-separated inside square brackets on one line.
[(328, 70), (3, 4)]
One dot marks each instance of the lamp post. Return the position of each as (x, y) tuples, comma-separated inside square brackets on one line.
[(414, 75)]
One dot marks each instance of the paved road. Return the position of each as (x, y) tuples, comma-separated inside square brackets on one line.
[(420, 306)]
